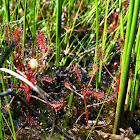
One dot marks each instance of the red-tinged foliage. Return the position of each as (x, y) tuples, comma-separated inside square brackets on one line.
[(44, 51), (16, 34), (95, 93), (67, 85), (6, 31), (86, 113), (64, 13), (57, 105), (118, 82), (86, 92), (68, 26), (49, 80), (17, 60), (40, 40), (113, 26), (25, 69), (74, 16), (99, 95), (78, 72), (81, 5), (93, 72)]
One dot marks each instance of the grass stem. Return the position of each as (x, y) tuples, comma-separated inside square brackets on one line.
[(125, 69), (58, 29)]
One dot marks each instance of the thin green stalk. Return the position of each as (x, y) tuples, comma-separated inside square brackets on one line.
[(7, 123), (66, 41), (9, 112), (24, 28), (1, 122), (67, 115), (129, 21), (58, 29), (34, 21), (87, 1), (136, 79), (131, 6), (125, 70), (105, 27), (17, 1), (97, 32), (100, 109), (46, 20), (135, 94), (97, 42), (74, 21), (137, 42), (12, 16), (7, 11), (104, 38), (121, 18)]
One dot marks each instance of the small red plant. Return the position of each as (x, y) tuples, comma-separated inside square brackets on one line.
[(85, 90), (30, 68), (93, 72), (86, 113), (78, 72)]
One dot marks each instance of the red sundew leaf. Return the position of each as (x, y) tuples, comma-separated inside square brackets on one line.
[(16, 34), (98, 94), (40, 40), (118, 82), (78, 72), (113, 26), (68, 26), (84, 92), (50, 80), (67, 85), (6, 33), (86, 113), (13, 86), (39, 17), (74, 16), (90, 92), (56, 105)]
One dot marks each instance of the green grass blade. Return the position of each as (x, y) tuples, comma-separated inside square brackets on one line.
[(7, 10), (104, 38), (105, 27), (34, 21), (24, 27), (1, 122), (121, 18), (100, 109), (58, 29), (136, 80), (17, 1), (97, 42), (9, 112), (125, 70)]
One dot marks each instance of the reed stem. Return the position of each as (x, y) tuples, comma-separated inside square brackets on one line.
[(58, 29), (24, 28), (125, 68)]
